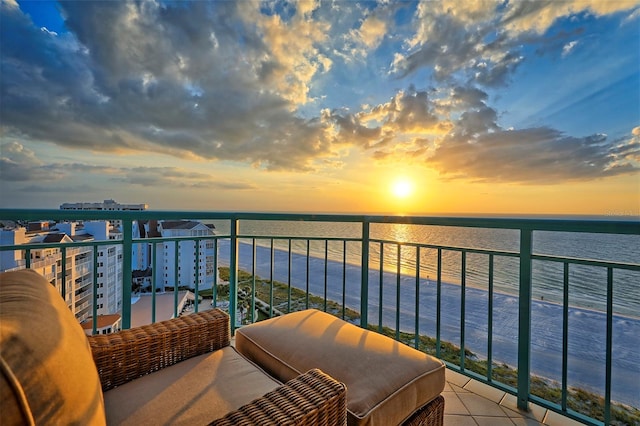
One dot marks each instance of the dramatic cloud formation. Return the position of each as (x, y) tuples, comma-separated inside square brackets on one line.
[(179, 80), (19, 164), (543, 156), (274, 86)]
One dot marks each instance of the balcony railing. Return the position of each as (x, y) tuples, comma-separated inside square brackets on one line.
[(493, 319)]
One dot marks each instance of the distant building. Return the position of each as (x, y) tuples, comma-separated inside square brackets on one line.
[(106, 205), (109, 205)]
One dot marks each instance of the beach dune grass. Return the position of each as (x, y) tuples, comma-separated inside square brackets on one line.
[(285, 296)]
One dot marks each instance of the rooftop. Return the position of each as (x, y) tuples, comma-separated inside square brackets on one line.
[(103, 321), (142, 305)]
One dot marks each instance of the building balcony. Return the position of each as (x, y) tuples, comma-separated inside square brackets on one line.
[(537, 320)]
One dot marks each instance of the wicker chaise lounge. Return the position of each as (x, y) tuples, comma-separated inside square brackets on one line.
[(180, 371)]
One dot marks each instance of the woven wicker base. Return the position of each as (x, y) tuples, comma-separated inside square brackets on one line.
[(431, 414)]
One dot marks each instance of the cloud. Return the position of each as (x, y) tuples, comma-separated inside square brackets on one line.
[(568, 48), (176, 178), (201, 80), (231, 81), (389, 126), (538, 16), (21, 165), (534, 156), (462, 42), (482, 41), (632, 16), (457, 133), (18, 164), (477, 148), (290, 57)]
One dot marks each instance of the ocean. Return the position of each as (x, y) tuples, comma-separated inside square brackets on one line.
[(587, 283), (587, 290)]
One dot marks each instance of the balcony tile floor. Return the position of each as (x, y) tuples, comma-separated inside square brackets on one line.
[(472, 403)]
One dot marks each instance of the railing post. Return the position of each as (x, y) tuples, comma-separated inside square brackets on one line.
[(94, 297), (524, 314), (64, 274), (127, 245), (233, 274), (197, 283), (155, 275), (176, 273), (364, 285)]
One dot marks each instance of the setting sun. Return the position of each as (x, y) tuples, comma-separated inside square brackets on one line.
[(402, 188)]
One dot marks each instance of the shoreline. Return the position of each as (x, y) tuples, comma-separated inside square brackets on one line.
[(428, 281)]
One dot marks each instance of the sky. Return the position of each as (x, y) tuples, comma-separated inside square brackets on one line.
[(433, 107)]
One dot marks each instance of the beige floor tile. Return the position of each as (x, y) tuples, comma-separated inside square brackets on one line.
[(493, 421), (456, 378), (485, 390), (454, 420), (458, 389), (472, 403), (453, 405), (479, 406), (554, 419)]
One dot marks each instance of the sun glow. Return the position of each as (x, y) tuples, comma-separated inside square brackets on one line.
[(402, 188)]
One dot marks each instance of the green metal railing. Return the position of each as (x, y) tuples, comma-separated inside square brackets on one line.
[(524, 255)]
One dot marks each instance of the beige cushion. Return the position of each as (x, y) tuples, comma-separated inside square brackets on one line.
[(386, 380), (48, 374), (192, 392)]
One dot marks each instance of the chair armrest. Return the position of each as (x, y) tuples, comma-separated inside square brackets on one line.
[(313, 398), (129, 354)]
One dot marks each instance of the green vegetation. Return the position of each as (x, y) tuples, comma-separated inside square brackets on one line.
[(578, 400), (222, 292), (285, 298)]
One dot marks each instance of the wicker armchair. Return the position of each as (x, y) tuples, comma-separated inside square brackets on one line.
[(313, 398), (180, 371)]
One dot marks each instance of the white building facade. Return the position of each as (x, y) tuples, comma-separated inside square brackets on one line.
[(176, 268), (77, 263)]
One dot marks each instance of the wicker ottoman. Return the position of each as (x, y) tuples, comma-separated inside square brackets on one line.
[(388, 383)]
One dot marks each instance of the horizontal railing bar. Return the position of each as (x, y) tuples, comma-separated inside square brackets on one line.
[(563, 225), (590, 262), (36, 246), (450, 248), (185, 238), (285, 238), (91, 243)]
